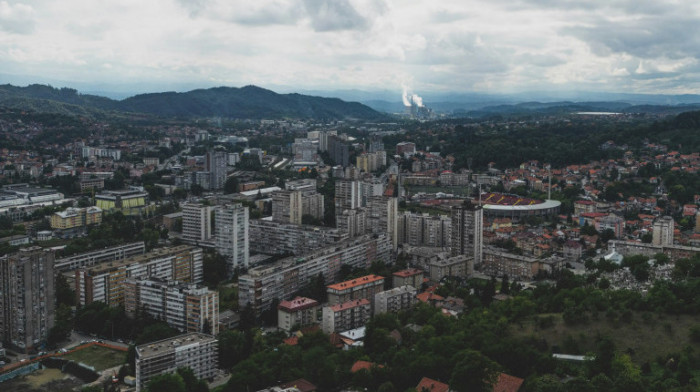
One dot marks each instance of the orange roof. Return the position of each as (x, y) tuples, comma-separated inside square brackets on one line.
[(300, 384), (291, 341), (427, 296), (350, 304), (408, 272), (431, 385), (297, 304), (359, 365), (507, 383), (349, 284)]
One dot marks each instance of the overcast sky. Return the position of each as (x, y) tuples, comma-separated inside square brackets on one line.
[(494, 46)]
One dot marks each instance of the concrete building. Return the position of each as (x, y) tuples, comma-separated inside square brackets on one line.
[(348, 195), (278, 238), (129, 202), (662, 231), (27, 297), (105, 282), (409, 277), (282, 279), (312, 202), (287, 207), (467, 231), (346, 316), (196, 351), (458, 266), (184, 306), (299, 312), (362, 287), (383, 217), (196, 223), (113, 253), (216, 161), (424, 230), (232, 239), (338, 150), (353, 222), (73, 219), (405, 148), (394, 300)]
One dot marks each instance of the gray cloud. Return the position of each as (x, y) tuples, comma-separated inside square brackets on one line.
[(334, 15), (16, 18)]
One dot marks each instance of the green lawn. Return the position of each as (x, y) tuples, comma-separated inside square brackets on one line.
[(645, 337), (98, 357)]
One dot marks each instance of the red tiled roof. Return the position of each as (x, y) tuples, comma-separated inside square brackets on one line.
[(427, 296), (300, 384), (507, 383), (355, 282), (350, 304), (431, 385), (359, 365), (297, 304), (408, 272), (291, 341)]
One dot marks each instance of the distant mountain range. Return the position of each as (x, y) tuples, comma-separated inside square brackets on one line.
[(249, 102)]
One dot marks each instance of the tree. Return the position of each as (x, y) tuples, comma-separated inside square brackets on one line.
[(196, 189), (473, 372), (192, 383), (505, 285), (214, 268), (231, 185), (166, 382), (64, 293)]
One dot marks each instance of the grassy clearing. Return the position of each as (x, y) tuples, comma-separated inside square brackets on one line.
[(644, 337), (99, 357)]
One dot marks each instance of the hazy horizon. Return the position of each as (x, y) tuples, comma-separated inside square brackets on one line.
[(500, 47)]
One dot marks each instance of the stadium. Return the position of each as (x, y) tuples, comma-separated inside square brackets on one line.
[(501, 205)]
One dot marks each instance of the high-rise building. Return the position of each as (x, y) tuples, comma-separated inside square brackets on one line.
[(312, 202), (383, 216), (232, 235), (348, 195), (104, 282), (662, 233), (196, 222), (27, 297), (196, 351), (424, 230), (282, 279), (338, 151), (216, 166), (467, 231), (185, 307), (287, 207)]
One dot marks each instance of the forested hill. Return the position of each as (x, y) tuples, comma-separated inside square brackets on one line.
[(248, 102)]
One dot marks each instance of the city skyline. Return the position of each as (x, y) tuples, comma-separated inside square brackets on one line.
[(507, 46)]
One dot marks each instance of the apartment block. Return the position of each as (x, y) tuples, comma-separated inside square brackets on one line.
[(285, 277), (88, 259), (196, 351), (409, 277), (467, 231), (298, 312), (662, 231), (459, 266), (346, 316), (278, 238), (129, 202), (75, 220), (424, 229), (196, 223), (382, 216), (105, 282), (232, 239), (395, 300), (186, 307), (287, 206), (363, 287), (27, 297)]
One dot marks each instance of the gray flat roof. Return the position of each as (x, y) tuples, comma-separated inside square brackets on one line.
[(169, 345)]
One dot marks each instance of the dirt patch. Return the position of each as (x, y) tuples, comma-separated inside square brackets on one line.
[(44, 380)]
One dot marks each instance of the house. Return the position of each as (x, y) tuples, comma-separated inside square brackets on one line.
[(507, 383), (363, 365), (430, 385)]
